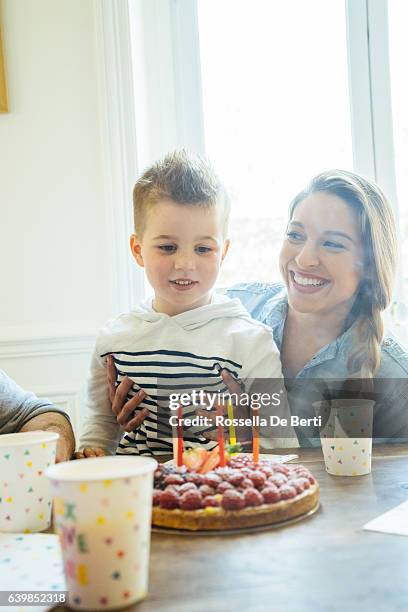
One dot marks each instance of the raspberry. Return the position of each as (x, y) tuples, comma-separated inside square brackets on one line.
[(247, 484), (305, 482), (299, 468), (271, 494), (311, 479), (298, 484), (258, 479), (287, 492), (246, 471), (174, 488), (156, 497), (253, 497), (197, 479), (169, 499), (232, 500), (210, 500), (236, 479), (173, 479), (223, 472), (224, 486), (205, 490), (278, 479), (236, 464), (267, 470), (212, 480), (283, 469), (300, 475), (187, 486), (191, 500)]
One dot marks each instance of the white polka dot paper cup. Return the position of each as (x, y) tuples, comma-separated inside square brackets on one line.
[(25, 492), (102, 513), (346, 435), (347, 456)]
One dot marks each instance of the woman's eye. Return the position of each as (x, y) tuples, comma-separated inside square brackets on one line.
[(202, 249), (335, 246), (294, 236), (167, 248)]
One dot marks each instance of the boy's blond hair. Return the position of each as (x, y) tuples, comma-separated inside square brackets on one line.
[(183, 178)]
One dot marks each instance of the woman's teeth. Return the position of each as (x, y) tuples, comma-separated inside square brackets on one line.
[(302, 280), (183, 282)]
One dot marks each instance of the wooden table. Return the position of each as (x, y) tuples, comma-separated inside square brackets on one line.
[(325, 563)]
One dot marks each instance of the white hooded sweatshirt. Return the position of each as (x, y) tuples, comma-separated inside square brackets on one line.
[(173, 354)]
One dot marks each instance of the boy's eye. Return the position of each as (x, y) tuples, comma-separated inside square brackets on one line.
[(202, 249), (294, 236), (167, 248)]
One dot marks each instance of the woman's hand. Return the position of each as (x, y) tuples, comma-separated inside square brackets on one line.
[(243, 433), (121, 407)]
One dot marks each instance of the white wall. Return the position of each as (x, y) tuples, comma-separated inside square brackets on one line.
[(56, 252)]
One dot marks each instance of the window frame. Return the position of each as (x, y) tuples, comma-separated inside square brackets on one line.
[(168, 93)]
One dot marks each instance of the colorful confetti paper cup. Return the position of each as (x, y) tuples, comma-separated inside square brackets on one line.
[(25, 492), (347, 456), (346, 435), (102, 513)]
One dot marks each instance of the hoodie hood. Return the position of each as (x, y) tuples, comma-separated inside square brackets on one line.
[(221, 307)]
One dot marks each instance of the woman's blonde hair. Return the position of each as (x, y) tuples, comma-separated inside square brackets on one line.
[(379, 240)]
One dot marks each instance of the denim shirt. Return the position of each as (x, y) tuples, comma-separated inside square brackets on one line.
[(268, 303)]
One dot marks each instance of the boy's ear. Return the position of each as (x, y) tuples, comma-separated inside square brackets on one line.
[(136, 248), (225, 250)]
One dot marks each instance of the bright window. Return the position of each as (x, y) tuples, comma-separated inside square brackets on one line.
[(276, 112), (398, 42)]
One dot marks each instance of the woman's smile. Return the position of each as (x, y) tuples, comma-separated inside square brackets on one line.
[(307, 283)]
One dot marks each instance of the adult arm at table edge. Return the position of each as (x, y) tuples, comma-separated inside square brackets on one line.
[(22, 410), (55, 421)]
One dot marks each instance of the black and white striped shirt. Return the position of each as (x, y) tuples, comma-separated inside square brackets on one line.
[(164, 355)]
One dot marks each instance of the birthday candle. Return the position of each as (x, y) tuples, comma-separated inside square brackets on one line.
[(232, 436), (175, 445), (174, 435), (255, 437), (179, 437), (220, 433)]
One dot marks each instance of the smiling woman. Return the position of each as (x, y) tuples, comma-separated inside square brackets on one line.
[(337, 262), (348, 245)]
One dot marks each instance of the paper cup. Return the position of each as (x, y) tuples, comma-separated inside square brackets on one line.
[(346, 435), (347, 456), (102, 513), (353, 417), (25, 492)]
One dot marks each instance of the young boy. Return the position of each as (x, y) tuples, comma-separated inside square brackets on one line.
[(182, 338)]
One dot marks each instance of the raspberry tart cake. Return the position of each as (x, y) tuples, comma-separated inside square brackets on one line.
[(201, 496)]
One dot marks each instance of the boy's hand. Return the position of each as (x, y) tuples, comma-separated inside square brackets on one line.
[(87, 452), (122, 408), (243, 433)]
